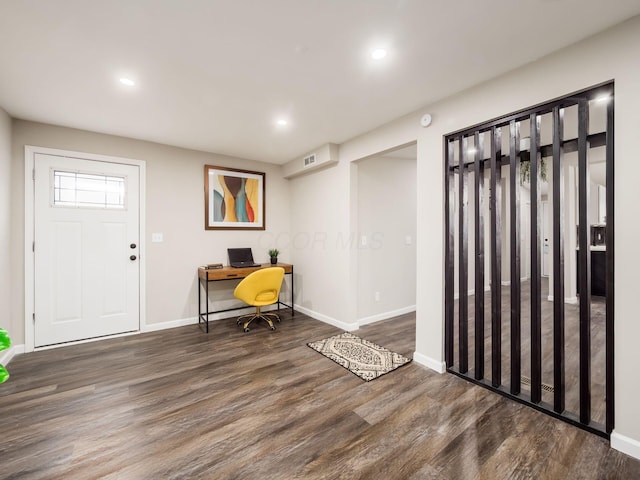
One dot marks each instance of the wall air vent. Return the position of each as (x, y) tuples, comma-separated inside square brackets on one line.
[(322, 157), (310, 160)]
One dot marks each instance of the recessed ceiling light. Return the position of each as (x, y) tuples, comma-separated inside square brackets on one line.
[(471, 151), (127, 81), (378, 53), (282, 122), (603, 98)]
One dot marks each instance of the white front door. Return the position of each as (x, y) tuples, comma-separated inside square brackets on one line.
[(87, 275)]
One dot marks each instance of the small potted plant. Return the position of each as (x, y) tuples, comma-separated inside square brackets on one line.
[(5, 342), (273, 253)]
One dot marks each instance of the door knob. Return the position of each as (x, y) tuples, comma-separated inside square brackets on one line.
[(132, 257), (133, 245)]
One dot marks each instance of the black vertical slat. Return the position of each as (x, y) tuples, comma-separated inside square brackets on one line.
[(479, 250), (558, 262), (610, 277), (495, 206), (463, 288), (514, 212), (536, 306), (584, 263), (496, 257), (449, 246)]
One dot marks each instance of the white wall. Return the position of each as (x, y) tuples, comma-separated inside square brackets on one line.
[(5, 223), (320, 241), (175, 207), (386, 215), (596, 60)]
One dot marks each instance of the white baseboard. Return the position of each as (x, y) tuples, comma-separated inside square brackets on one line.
[(386, 315), (429, 362), (625, 444), (154, 327), (469, 293), (472, 291), (7, 355), (349, 327), (506, 283), (571, 300)]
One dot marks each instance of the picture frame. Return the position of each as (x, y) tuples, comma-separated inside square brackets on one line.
[(234, 199)]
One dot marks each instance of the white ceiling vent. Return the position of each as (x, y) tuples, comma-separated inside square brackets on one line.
[(310, 160)]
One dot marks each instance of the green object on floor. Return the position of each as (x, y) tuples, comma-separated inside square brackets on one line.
[(5, 342)]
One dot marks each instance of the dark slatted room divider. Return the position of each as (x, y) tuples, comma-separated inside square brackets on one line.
[(502, 167)]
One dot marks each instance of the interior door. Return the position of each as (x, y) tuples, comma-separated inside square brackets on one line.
[(87, 276)]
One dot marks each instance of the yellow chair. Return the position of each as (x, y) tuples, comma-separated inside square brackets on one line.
[(259, 289)]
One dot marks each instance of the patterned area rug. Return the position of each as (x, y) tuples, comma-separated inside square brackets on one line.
[(367, 360)]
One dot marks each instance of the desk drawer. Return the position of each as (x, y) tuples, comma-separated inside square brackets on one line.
[(230, 273)]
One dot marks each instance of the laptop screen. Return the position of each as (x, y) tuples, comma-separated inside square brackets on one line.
[(237, 255)]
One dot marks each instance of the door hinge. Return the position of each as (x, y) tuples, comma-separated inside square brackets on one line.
[(34, 318), (33, 246), (33, 174)]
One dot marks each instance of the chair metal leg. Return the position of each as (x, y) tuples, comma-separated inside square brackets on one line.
[(275, 316), (257, 315), (242, 317), (268, 320)]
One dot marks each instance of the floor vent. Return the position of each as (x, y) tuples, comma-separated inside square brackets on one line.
[(527, 381)]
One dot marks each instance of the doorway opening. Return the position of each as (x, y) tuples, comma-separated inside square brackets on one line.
[(385, 219), (529, 223)]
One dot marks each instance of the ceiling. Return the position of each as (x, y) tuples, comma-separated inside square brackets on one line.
[(215, 75)]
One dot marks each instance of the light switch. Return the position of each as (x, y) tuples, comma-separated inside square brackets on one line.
[(363, 241), (408, 240), (157, 237)]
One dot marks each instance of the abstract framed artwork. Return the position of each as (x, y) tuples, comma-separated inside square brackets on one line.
[(234, 199)]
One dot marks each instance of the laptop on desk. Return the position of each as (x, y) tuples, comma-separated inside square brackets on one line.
[(241, 257)]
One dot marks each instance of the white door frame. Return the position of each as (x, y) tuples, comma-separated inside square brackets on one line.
[(29, 231)]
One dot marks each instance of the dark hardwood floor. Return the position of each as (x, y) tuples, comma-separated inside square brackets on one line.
[(572, 347), (180, 404)]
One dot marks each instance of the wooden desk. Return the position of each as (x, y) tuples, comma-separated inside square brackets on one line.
[(205, 276)]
